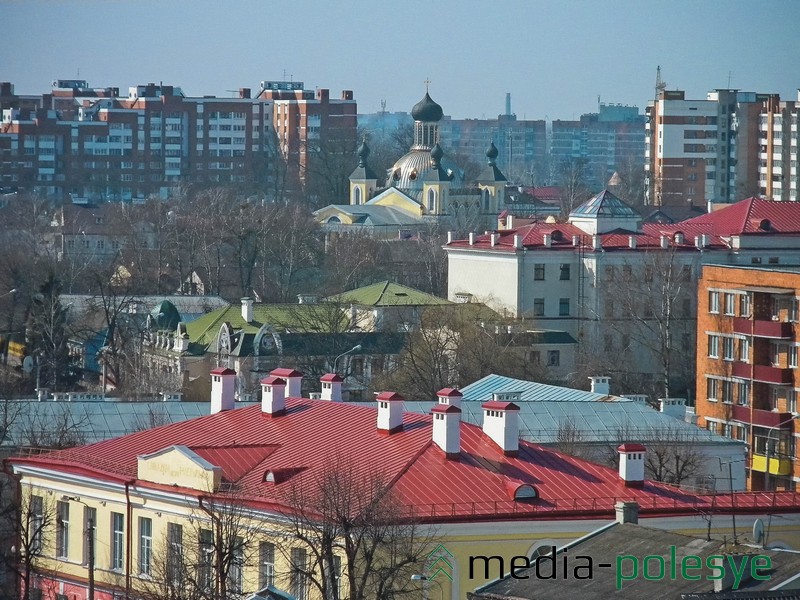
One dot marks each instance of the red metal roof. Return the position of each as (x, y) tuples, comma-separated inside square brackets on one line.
[(331, 377), (632, 447), (246, 444), (445, 408), (223, 371), (389, 397), (281, 372), (273, 380), (494, 405), (450, 393)]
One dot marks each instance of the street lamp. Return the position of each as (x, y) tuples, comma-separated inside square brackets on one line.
[(90, 542), (11, 291), (355, 348), (767, 453), (425, 581)]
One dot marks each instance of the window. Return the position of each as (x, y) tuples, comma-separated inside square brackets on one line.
[(713, 302), (117, 540), (553, 358), (743, 393), (563, 307), (791, 400), (627, 272), (236, 571), (535, 357), (774, 397), (727, 348), (564, 272), (730, 304), (793, 357), (62, 529), (431, 200), (775, 355), (744, 305), (538, 307), (538, 272), (727, 392), (145, 545), (266, 563), (713, 346), (610, 272), (299, 580), (205, 559), (337, 574), (174, 552), (712, 389), (356, 195), (36, 524), (744, 349), (89, 521)]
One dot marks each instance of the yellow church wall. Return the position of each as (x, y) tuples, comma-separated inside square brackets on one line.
[(396, 199)]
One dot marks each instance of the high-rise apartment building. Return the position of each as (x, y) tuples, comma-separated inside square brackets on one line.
[(93, 145), (777, 153), (700, 151), (747, 366), (599, 144)]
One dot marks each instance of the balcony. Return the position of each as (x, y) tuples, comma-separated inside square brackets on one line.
[(760, 417), (762, 373), (762, 328), (777, 465)]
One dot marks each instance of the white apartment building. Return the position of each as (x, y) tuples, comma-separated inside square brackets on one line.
[(777, 166)]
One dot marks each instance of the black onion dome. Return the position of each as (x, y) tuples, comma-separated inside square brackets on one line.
[(436, 153), (363, 153), (427, 110), (492, 152)]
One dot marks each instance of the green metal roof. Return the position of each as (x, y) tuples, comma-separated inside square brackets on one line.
[(387, 293)]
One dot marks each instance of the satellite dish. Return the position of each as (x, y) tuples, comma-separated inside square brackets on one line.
[(27, 364), (758, 531)]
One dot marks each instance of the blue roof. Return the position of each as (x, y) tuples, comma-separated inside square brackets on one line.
[(604, 204), (482, 390)]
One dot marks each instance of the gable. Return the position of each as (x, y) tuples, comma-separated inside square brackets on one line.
[(179, 465), (394, 198)]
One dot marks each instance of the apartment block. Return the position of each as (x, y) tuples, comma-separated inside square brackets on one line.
[(777, 153), (700, 151), (747, 360), (91, 144)]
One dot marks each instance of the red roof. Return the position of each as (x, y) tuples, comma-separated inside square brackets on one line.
[(389, 397), (450, 393), (494, 405), (281, 372), (331, 377), (223, 371), (272, 380), (632, 447), (748, 217), (247, 444), (445, 408)]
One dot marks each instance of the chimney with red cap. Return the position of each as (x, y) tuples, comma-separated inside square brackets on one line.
[(294, 381), (631, 464), (447, 429), (331, 387), (501, 424), (223, 389), (273, 396), (390, 411), (450, 397)]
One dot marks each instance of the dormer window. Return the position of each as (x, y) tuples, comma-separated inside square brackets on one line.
[(525, 492)]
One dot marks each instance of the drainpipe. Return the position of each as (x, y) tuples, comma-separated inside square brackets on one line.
[(128, 538)]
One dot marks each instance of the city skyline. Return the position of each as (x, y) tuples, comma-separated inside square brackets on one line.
[(609, 51)]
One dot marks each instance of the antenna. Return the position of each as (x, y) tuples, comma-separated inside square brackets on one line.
[(383, 107), (661, 85), (730, 74)]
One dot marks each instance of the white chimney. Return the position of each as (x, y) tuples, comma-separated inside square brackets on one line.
[(273, 395), (181, 343), (471, 238), (223, 389), (450, 397), (664, 242), (632, 242), (679, 237), (600, 385), (501, 424), (247, 310), (509, 221), (627, 512), (390, 412), (331, 387), (449, 237), (674, 407), (494, 238), (294, 381), (631, 464), (705, 240), (697, 241), (517, 241), (547, 240), (576, 240), (597, 243), (447, 429)]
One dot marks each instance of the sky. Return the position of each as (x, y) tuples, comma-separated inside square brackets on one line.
[(554, 57)]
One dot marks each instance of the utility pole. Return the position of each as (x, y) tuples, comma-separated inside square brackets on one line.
[(90, 545)]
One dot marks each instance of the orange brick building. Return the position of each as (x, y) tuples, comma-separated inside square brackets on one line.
[(747, 359)]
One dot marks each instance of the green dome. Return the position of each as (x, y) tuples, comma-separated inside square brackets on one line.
[(165, 316)]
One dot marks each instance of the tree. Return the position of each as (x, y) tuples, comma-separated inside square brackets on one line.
[(48, 336), (351, 525), (571, 177)]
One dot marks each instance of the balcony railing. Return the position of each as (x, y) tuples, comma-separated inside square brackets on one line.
[(778, 465), (762, 328), (762, 373), (758, 416)]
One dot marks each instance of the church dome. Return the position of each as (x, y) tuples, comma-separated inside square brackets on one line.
[(426, 110), (410, 170)]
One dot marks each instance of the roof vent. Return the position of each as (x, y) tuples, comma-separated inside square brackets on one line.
[(223, 389), (331, 387), (390, 411), (294, 381), (447, 429), (449, 397), (765, 225), (600, 385), (273, 395), (631, 464), (557, 235), (501, 424)]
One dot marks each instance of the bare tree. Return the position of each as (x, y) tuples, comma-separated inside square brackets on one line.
[(571, 177), (53, 426), (345, 523)]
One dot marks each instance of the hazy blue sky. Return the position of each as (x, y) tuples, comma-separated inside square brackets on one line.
[(554, 57)]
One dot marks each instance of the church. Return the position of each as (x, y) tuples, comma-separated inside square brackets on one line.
[(423, 190)]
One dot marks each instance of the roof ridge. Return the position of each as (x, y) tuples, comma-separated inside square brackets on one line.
[(409, 463)]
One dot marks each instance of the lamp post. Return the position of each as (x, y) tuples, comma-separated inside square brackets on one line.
[(89, 544), (767, 453), (355, 348), (425, 581)]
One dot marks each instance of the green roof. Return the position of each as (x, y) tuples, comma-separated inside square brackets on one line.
[(387, 293), (296, 317)]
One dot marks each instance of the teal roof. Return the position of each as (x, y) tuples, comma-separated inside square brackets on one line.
[(165, 316), (387, 293), (604, 204)]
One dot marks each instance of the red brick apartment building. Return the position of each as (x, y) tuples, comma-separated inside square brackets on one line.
[(747, 366)]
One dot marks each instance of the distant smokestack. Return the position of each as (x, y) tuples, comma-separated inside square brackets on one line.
[(508, 103)]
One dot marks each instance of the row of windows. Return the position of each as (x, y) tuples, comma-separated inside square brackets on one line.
[(729, 345), (299, 583), (563, 307), (539, 272)]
